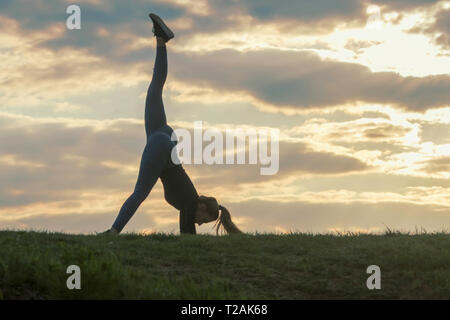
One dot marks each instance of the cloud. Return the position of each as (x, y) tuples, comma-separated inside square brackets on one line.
[(269, 216), (442, 27), (82, 179), (77, 222), (312, 17), (436, 132), (114, 17), (316, 217), (289, 81), (50, 160), (35, 75), (209, 15), (357, 45), (302, 80), (404, 4), (379, 129), (304, 10), (438, 165), (295, 159), (202, 17), (74, 174), (437, 28), (53, 166)]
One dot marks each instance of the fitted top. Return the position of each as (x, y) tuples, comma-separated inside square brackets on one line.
[(180, 193)]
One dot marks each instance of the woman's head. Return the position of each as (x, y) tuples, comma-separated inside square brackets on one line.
[(208, 210)]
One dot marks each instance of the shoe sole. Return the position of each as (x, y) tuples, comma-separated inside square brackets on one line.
[(164, 27)]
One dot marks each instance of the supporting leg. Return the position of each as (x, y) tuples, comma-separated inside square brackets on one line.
[(154, 159)]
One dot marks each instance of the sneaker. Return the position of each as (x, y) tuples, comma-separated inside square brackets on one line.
[(160, 29), (109, 232)]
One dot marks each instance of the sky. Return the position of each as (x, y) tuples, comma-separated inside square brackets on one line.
[(359, 91)]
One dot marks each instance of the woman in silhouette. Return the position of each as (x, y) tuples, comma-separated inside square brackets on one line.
[(156, 159)]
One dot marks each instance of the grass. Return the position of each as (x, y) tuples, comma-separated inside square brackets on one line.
[(250, 266)]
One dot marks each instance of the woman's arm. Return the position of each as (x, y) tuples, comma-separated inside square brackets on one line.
[(187, 220), (180, 193)]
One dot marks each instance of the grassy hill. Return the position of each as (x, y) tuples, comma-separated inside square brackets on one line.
[(262, 266)]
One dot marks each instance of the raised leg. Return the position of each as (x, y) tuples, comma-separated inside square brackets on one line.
[(155, 116)]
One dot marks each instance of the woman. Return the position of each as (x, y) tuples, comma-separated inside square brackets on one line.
[(156, 159)]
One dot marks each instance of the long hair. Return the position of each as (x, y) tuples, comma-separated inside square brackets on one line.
[(224, 219)]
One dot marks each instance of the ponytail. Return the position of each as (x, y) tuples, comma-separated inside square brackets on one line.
[(225, 221)]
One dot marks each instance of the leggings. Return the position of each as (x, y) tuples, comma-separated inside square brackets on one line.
[(156, 154)]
